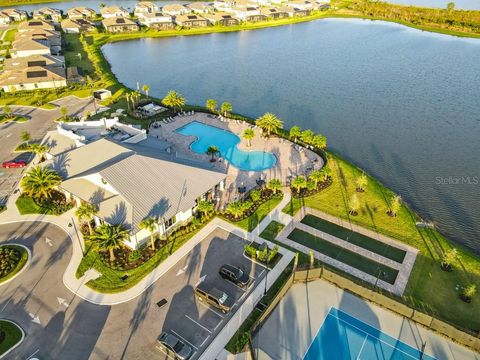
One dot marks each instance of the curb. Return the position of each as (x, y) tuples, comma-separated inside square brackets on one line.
[(18, 343), (29, 258)]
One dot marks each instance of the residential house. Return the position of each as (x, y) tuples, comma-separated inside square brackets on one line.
[(109, 12), (249, 14), (243, 4), (49, 38), (263, 2), (14, 64), (81, 12), (33, 77), (4, 19), (273, 13), (175, 10), (15, 15), (221, 18), (24, 47), (119, 24), (223, 5), (156, 21), (48, 13), (191, 20), (293, 11), (76, 26), (146, 7), (128, 184), (200, 7), (35, 24), (302, 4)]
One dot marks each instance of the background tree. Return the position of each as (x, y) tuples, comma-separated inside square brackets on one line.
[(299, 183), (149, 224), (39, 150), (319, 141), (469, 292), (146, 89), (451, 6), (361, 182), (211, 105), (7, 111), (307, 136), (354, 205), (40, 182), (25, 137), (248, 134), (295, 133), (269, 123), (395, 204), (205, 207), (449, 258), (226, 109), (275, 185), (236, 209), (109, 237), (316, 176), (86, 212), (212, 151), (174, 100)]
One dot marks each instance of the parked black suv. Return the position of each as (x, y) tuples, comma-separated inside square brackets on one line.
[(214, 297), (235, 275), (172, 345)]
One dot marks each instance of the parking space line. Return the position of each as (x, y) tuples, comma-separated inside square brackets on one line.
[(196, 322), (182, 338), (36, 351), (219, 323), (209, 308), (204, 341)]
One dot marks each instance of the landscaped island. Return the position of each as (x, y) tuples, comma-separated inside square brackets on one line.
[(12, 260)]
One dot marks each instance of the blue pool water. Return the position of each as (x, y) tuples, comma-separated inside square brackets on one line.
[(226, 142), (343, 336)]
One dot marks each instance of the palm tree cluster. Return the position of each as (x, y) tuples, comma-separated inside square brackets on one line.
[(40, 183), (150, 224), (86, 212), (299, 183), (308, 137), (109, 238), (248, 134), (269, 123), (174, 100), (237, 208), (132, 97)]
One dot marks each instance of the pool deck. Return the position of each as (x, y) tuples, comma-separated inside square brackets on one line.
[(290, 329), (291, 159)]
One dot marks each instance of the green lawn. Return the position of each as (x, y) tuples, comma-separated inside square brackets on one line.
[(253, 220), (26, 206), (20, 265), (110, 281), (429, 288), (18, 119), (13, 335), (355, 238), (75, 54), (345, 256)]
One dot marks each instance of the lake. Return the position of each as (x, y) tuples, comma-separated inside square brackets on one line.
[(401, 103), (130, 4)]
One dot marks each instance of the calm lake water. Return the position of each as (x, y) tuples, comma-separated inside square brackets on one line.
[(130, 4), (400, 103)]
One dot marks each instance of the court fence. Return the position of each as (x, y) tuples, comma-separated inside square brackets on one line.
[(440, 327)]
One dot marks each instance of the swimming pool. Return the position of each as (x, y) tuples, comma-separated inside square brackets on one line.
[(227, 142), (343, 336)]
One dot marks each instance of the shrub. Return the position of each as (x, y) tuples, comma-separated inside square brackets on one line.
[(250, 250), (256, 195), (272, 254)]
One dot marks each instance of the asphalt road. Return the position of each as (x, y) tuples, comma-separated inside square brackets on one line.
[(40, 121), (59, 325)]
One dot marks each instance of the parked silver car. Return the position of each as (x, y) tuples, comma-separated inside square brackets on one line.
[(173, 346)]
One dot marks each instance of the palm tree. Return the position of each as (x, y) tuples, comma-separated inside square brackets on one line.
[(86, 212), (128, 97), (149, 224), (299, 183), (236, 209), (295, 133), (7, 111), (205, 207), (316, 177), (307, 136), (449, 257), (146, 89), (269, 123), (40, 182), (226, 108), (469, 292), (25, 137), (327, 172), (275, 185), (395, 204), (354, 205), (39, 150), (361, 182), (211, 105), (248, 134), (174, 100), (109, 237), (319, 141), (212, 151)]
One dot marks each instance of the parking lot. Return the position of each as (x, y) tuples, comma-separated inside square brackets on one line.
[(194, 321), (10, 177)]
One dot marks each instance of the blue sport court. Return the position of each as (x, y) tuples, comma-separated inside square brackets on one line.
[(343, 336)]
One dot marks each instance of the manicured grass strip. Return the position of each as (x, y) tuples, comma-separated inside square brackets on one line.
[(346, 256), (110, 281), (13, 335), (272, 230), (355, 238), (251, 222), (26, 205), (21, 263), (18, 119)]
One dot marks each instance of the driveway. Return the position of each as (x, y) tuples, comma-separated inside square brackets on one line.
[(59, 325)]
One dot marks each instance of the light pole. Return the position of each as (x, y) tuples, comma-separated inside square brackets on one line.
[(266, 281)]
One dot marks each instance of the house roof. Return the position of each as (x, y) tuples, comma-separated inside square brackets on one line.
[(174, 7), (80, 11), (112, 10), (58, 143), (34, 74), (48, 11), (33, 60), (35, 24), (114, 21), (76, 23), (158, 188), (199, 6), (189, 17), (218, 15)]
